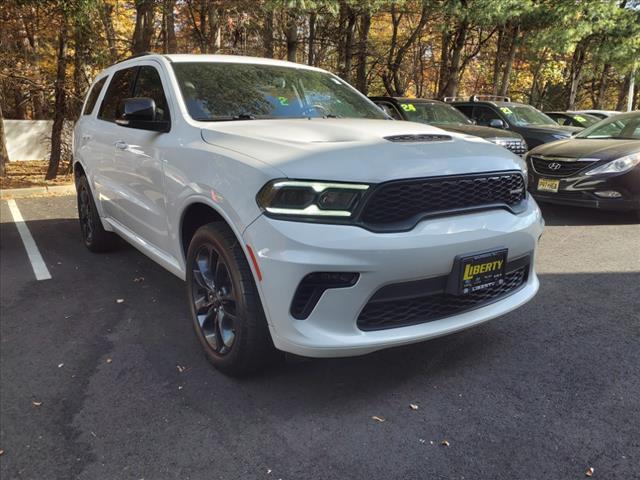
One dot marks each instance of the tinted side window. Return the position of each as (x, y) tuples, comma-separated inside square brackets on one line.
[(483, 115), (120, 88), (149, 85), (92, 98), (466, 109), (390, 110)]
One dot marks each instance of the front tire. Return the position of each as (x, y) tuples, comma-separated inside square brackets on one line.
[(226, 311), (94, 236)]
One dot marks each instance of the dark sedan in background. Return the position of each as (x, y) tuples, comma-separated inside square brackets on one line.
[(599, 167), (573, 119), (444, 116)]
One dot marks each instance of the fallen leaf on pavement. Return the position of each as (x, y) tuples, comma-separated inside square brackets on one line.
[(138, 279), (413, 406), (589, 472), (36, 403), (181, 368), (444, 443), (378, 419), (120, 300), (60, 365), (109, 360), (1, 451)]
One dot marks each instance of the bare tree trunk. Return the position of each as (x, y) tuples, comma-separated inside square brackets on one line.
[(58, 119), (169, 41), (536, 78), (215, 32), (602, 87), (347, 55), (4, 156), (391, 77), (267, 34), (513, 49), (363, 44), (143, 31), (106, 13), (291, 32), (449, 88), (312, 37), (497, 64), (575, 73), (78, 63), (622, 94)]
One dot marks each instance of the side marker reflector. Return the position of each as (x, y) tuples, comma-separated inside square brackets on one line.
[(255, 263)]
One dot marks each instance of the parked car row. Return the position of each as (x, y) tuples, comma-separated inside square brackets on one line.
[(567, 164), (304, 219)]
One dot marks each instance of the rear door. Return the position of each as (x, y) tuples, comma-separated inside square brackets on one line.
[(139, 162)]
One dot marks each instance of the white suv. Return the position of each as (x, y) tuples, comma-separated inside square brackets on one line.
[(298, 213)]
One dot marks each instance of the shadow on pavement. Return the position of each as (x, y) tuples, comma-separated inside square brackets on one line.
[(561, 215)]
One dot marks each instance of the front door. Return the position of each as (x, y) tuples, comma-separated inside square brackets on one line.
[(139, 162)]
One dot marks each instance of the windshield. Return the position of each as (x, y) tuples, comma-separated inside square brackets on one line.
[(624, 127), (433, 113), (236, 91), (524, 115), (585, 119)]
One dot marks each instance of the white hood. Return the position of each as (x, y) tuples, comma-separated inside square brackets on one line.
[(355, 149)]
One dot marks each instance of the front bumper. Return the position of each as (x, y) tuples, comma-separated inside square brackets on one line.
[(579, 190), (288, 251)]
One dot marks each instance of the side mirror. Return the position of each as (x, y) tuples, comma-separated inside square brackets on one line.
[(140, 113), (496, 123)]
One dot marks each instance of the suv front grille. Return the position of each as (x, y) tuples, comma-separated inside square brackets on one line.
[(558, 167), (519, 147), (393, 313), (406, 201)]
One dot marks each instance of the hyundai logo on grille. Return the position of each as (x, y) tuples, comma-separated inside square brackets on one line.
[(555, 166)]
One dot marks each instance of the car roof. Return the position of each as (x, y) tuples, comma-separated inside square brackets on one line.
[(494, 103), (404, 99), (212, 58)]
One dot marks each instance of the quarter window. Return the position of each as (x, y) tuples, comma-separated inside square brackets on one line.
[(149, 85), (92, 98), (120, 87)]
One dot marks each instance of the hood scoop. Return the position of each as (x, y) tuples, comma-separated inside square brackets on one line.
[(419, 138)]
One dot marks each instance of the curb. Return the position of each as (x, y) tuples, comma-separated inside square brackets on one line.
[(45, 191)]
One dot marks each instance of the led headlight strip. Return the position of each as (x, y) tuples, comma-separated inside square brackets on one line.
[(313, 208)]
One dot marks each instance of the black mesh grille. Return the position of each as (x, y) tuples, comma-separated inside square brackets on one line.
[(557, 168), (518, 147), (398, 202), (378, 315)]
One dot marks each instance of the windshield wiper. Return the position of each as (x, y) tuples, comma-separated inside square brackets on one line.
[(222, 118)]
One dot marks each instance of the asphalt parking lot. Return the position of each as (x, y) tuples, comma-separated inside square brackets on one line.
[(101, 376)]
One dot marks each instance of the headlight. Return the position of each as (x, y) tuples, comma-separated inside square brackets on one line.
[(617, 166), (303, 198)]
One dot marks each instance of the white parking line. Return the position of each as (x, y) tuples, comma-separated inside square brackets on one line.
[(37, 263)]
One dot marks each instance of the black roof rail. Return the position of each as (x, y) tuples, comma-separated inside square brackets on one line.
[(141, 54)]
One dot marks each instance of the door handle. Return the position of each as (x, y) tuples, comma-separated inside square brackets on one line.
[(121, 145)]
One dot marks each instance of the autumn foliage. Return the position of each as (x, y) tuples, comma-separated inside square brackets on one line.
[(559, 54)]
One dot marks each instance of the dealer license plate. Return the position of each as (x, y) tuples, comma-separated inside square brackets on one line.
[(481, 271), (548, 185)]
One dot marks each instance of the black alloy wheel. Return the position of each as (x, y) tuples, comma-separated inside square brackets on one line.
[(226, 310)]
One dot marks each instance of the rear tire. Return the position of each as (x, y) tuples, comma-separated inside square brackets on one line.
[(226, 311), (94, 236)]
